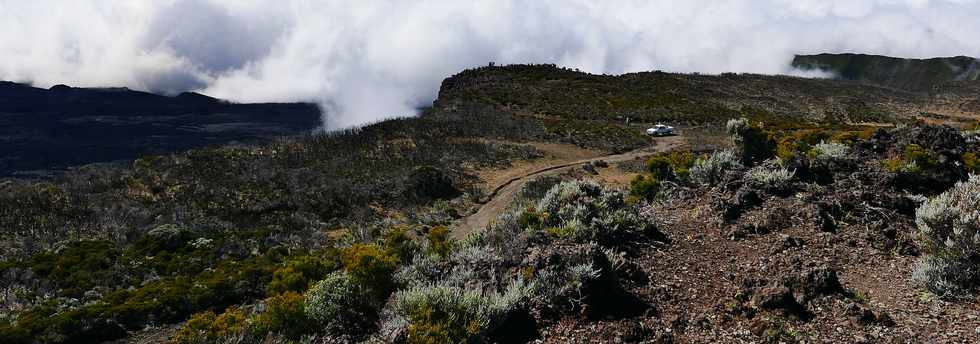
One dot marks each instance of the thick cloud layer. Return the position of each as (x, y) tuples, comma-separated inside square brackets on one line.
[(367, 60)]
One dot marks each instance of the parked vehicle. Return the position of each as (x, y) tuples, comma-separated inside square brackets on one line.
[(660, 130)]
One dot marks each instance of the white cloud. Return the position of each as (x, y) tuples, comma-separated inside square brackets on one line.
[(365, 60)]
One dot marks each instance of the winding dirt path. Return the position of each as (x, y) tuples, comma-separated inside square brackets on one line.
[(502, 194)]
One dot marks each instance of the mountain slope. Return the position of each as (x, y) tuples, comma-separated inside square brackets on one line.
[(45, 129), (901, 73), (552, 92)]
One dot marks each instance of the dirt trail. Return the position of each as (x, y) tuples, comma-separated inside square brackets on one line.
[(502, 194)]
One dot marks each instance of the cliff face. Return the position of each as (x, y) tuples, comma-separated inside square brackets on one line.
[(917, 75)]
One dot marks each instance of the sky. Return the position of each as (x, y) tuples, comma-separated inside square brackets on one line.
[(364, 60)]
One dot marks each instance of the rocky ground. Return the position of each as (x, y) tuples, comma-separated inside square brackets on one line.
[(818, 263)]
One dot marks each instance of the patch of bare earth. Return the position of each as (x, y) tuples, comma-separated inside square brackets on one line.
[(554, 154)]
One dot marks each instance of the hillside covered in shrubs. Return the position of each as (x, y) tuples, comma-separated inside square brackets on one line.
[(816, 230)]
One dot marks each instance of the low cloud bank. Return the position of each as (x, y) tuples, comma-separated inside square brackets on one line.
[(367, 60)]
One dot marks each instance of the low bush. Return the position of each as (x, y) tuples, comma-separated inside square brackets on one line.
[(397, 243), (769, 177), (971, 162), (166, 300), (78, 267), (164, 238), (790, 145), (283, 314), (752, 143), (829, 151), (560, 287), (443, 313), (486, 289), (535, 188), (949, 233), (787, 150), (914, 159), (301, 272), (670, 166), (337, 304), (531, 219), (946, 277), (370, 267), (207, 327), (824, 161), (711, 170), (849, 137), (659, 167), (429, 183), (921, 156), (681, 163), (584, 211), (439, 241), (643, 187), (421, 270)]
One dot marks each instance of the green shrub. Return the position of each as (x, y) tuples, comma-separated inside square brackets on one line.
[(283, 314), (659, 167), (896, 165), (164, 238), (535, 188), (769, 177), (828, 151), (397, 243), (845, 137), (751, 142), (439, 241), (301, 272), (787, 149), (337, 304), (670, 166), (443, 313), (642, 187), (681, 163), (563, 231), (207, 327), (422, 269), (165, 300), (949, 233), (78, 267), (711, 170), (921, 156), (560, 286), (585, 211), (971, 162), (790, 145), (848, 137), (369, 266), (428, 182), (530, 219), (914, 159)]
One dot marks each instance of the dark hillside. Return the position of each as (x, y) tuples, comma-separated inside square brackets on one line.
[(51, 129), (900, 73)]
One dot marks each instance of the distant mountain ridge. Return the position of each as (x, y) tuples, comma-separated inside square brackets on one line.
[(917, 75), (55, 128), (562, 94), (16, 97)]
